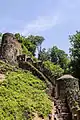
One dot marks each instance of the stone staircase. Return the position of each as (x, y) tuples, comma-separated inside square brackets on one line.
[(62, 110)]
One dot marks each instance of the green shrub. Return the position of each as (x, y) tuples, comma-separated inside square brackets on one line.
[(28, 53), (55, 69), (4, 67), (25, 50)]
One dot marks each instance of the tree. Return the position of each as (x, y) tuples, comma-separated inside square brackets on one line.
[(1, 37), (54, 54), (31, 42), (37, 40), (59, 57), (44, 55), (75, 54)]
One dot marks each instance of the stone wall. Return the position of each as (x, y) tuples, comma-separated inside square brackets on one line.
[(68, 89), (25, 58)]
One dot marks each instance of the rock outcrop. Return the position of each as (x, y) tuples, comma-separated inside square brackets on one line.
[(10, 48)]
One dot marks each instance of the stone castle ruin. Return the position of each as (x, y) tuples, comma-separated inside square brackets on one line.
[(65, 92), (10, 48)]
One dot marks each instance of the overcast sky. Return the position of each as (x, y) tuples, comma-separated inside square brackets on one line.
[(55, 20)]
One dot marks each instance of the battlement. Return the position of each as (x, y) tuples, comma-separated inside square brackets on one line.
[(25, 58)]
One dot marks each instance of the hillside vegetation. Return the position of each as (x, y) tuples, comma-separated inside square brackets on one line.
[(21, 95)]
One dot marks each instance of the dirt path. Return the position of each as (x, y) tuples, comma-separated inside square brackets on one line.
[(36, 117), (53, 112), (2, 78)]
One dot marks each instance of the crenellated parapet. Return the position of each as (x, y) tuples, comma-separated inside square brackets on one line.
[(24, 58)]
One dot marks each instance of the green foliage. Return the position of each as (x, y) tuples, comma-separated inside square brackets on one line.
[(28, 53), (44, 55), (4, 67), (59, 57), (37, 40), (26, 42), (55, 69), (21, 95), (31, 42), (25, 51), (75, 54)]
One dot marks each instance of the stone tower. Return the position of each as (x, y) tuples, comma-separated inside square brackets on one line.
[(67, 89), (10, 48), (65, 84)]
